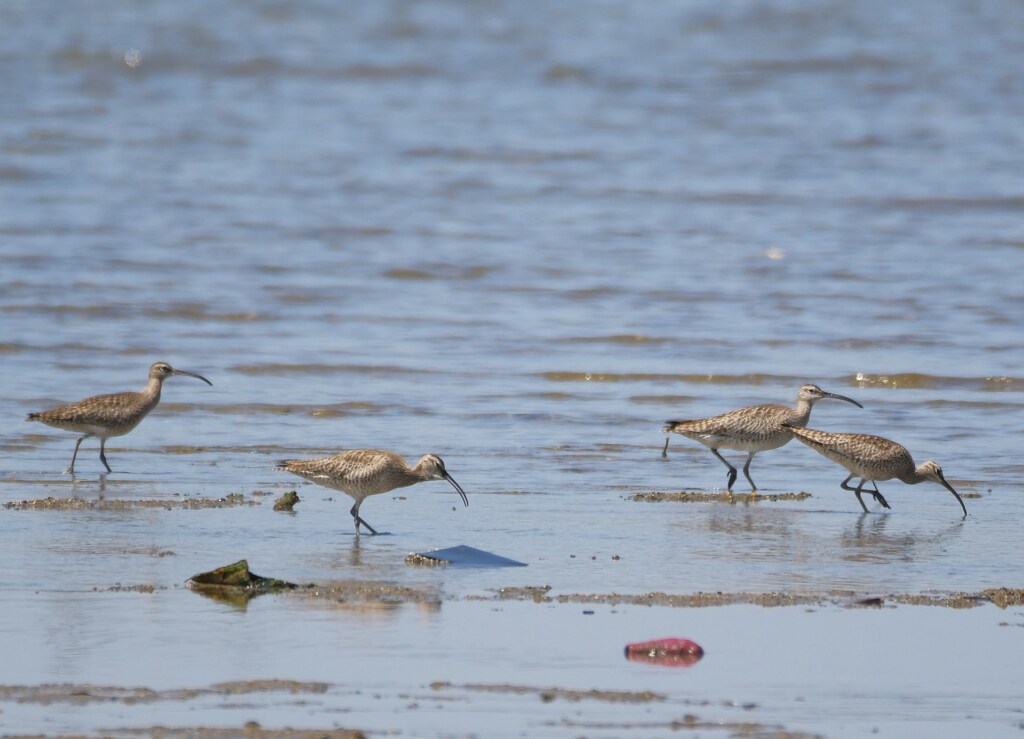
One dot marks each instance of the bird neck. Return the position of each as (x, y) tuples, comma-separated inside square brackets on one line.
[(802, 413), (152, 390), (912, 477), (420, 472)]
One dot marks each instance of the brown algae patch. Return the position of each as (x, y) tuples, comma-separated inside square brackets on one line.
[(538, 594), (349, 592), (1004, 597), (1000, 597), (693, 723), (251, 730), (141, 588), (88, 693), (121, 504), (550, 694), (703, 600), (726, 497)]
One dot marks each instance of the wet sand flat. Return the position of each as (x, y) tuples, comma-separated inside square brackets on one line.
[(446, 668), (111, 641)]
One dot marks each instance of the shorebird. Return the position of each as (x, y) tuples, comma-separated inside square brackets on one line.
[(105, 416), (360, 473), (754, 429), (872, 458)]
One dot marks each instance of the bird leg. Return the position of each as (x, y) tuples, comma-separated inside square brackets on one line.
[(746, 472), (103, 457), (874, 493), (857, 493), (358, 520), (71, 467), (878, 495), (732, 470)]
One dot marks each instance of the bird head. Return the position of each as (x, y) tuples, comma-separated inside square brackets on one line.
[(161, 371), (931, 471), (812, 393), (432, 466)]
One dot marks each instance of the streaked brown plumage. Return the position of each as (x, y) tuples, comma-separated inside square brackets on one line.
[(872, 458), (360, 473), (754, 429), (105, 416)]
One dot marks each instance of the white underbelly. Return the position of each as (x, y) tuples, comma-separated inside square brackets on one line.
[(743, 445)]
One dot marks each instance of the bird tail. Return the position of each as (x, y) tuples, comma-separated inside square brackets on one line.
[(32, 417), (670, 426), (284, 464)]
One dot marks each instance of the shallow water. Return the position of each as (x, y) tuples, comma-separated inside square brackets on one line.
[(461, 663), (518, 236)]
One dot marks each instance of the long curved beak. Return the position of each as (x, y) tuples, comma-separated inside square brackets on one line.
[(459, 490), (842, 397), (955, 493), (191, 374)]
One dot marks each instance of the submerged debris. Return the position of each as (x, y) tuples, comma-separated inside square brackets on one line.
[(462, 555), (421, 560), (287, 501), (726, 497), (235, 583)]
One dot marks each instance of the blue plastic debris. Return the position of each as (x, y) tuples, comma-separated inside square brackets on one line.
[(470, 557)]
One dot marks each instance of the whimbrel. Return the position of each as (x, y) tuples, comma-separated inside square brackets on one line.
[(360, 473), (872, 458), (105, 416), (753, 429)]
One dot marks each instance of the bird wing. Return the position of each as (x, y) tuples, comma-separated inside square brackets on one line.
[(99, 410), (726, 425), (366, 464), (351, 466), (851, 450)]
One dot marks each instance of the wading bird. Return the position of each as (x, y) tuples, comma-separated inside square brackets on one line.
[(360, 473), (105, 416), (757, 428), (872, 458)]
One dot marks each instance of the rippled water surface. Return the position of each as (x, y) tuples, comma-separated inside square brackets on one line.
[(521, 236)]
